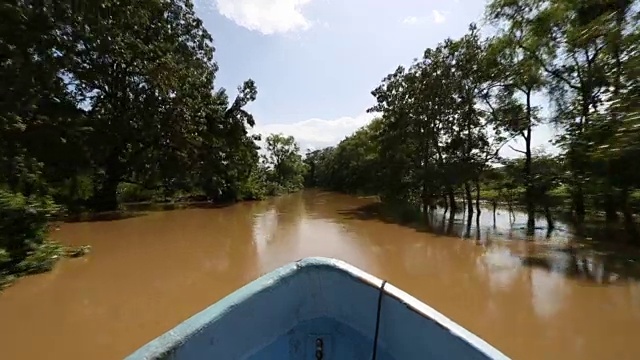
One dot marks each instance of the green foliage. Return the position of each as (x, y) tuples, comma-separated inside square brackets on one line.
[(432, 137), (254, 187), (23, 223), (587, 52), (40, 258), (112, 102), (284, 168), (89, 103), (132, 193), (25, 247), (4, 258), (353, 166)]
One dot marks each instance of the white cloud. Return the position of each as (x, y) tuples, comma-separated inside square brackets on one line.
[(438, 16), (410, 20), (317, 133), (266, 16)]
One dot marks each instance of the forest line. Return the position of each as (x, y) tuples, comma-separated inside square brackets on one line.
[(444, 118)]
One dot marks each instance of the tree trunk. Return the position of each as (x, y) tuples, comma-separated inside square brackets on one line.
[(469, 220), (428, 200), (629, 224), (531, 210), (452, 200), (467, 233), (547, 214), (464, 204), (445, 203), (495, 205), (477, 209), (425, 205), (468, 198), (478, 226), (578, 203), (510, 207), (611, 212), (105, 197), (478, 197), (452, 216)]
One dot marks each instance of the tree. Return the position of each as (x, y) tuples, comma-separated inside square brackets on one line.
[(320, 168), (145, 80), (284, 162), (433, 134), (514, 78), (96, 95), (39, 120), (582, 48)]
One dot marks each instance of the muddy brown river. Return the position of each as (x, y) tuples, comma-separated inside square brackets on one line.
[(554, 297)]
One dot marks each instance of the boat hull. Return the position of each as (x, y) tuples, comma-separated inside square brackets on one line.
[(318, 307)]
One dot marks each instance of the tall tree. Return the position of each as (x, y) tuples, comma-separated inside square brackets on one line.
[(514, 78), (284, 161)]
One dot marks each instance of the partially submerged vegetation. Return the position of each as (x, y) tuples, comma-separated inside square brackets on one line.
[(25, 246), (444, 119)]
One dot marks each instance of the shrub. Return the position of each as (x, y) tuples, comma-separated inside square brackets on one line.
[(25, 247), (253, 188), (23, 224), (132, 193)]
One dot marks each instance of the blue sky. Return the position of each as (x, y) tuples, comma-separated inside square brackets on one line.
[(315, 62)]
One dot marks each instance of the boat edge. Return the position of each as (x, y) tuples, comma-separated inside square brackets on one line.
[(413, 304), (162, 346)]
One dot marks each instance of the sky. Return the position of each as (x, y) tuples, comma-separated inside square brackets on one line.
[(315, 62)]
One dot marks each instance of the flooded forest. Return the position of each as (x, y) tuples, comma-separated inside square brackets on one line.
[(134, 191)]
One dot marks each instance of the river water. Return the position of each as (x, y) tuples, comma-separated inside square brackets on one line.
[(550, 297)]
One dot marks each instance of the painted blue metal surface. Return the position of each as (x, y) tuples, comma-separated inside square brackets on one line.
[(283, 314)]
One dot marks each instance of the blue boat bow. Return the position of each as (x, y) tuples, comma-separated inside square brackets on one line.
[(318, 308)]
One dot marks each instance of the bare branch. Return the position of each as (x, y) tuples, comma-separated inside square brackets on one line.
[(523, 134), (516, 150)]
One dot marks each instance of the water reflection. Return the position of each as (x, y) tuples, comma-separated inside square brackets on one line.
[(501, 265), (598, 259), (548, 292), (291, 228)]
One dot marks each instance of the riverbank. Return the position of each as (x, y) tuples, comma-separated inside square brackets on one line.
[(40, 254)]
